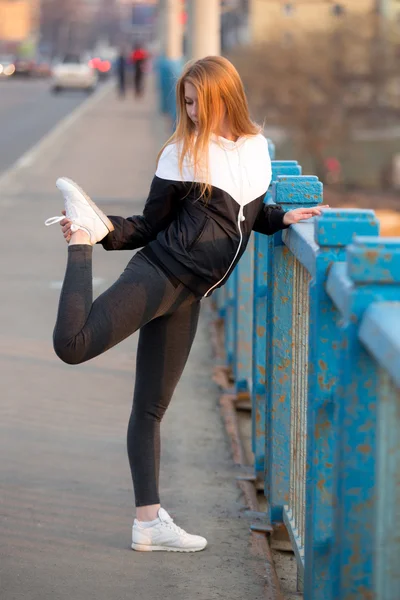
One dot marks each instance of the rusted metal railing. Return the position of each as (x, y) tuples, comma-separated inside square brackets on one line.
[(321, 363)]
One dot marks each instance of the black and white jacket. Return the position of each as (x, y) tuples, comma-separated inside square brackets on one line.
[(199, 241)]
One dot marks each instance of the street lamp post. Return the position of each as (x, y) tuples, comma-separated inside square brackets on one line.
[(205, 25), (174, 30)]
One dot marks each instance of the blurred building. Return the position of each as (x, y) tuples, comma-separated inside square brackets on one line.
[(392, 9), (77, 25), (19, 21), (299, 17), (138, 19)]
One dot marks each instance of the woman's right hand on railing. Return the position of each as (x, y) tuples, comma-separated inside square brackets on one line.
[(302, 214)]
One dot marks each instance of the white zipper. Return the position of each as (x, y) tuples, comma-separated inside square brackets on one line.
[(241, 218)]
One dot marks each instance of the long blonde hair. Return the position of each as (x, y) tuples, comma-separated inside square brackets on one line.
[(220, 92)]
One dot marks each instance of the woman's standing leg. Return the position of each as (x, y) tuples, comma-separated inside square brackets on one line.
[(164, 346)]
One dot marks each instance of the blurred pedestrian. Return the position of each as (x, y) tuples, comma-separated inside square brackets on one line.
[(139, 60), (205, 199), (333, 170), (121, 73)]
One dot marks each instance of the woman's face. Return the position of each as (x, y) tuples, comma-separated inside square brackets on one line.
[(192, 108), (191, 103)]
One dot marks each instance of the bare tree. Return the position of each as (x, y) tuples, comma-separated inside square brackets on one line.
[(78, 24), (107, 21), (61, 22), (321, 86)]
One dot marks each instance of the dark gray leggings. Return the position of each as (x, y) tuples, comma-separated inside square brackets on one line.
[(167, 314)]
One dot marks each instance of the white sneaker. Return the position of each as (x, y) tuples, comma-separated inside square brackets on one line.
[(82, 211), (164, 535)]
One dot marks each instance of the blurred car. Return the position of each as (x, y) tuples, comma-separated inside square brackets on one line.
[(7, 67), (73, 72), (102, 66), (24, 66)]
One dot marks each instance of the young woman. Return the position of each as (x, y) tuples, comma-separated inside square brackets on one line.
[(205, 200)]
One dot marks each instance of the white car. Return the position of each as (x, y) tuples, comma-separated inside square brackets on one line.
[(73, 72)]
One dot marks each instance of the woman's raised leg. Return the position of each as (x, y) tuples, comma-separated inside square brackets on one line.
[(84, 329)]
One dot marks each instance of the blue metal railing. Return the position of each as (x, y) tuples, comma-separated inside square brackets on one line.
[(380, 334), (312, 322), (312, 334)]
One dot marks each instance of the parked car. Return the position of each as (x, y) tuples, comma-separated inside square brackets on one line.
[(24, 66), (73, 72), (7, 67)]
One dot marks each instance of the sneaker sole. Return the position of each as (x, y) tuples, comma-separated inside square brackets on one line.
[(106, 221), (144, 548)]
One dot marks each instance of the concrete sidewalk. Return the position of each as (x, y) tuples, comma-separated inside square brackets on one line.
[(66, 502)]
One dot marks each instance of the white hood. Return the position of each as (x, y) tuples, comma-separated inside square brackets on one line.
[(241, 168)]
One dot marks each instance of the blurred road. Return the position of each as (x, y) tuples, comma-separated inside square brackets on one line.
[(28, 110)]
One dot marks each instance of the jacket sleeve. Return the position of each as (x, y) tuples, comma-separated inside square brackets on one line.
[(269, 219), (137, 231)]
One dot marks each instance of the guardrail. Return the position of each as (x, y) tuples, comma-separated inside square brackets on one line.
[(312, 334)]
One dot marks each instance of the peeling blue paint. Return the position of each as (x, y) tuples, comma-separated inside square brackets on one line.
[(262, 295), (348, 535), (380, 334), (324, 357)]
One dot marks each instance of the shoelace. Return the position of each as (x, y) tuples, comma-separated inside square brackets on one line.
[(72, 216), (54, 220), (174, 527)]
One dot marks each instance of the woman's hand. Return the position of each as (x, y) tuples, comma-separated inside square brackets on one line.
[(301, 214), (66, 228)]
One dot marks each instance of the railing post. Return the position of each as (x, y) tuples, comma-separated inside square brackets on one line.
[(220, 300), (243, 281), (334, 230), (282, 168), (229, 320), (262, 270), (373, 272), (289, 192), (243, 277), (380, 334)]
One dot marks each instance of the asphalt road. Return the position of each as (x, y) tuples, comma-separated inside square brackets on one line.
[(28, 110)]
